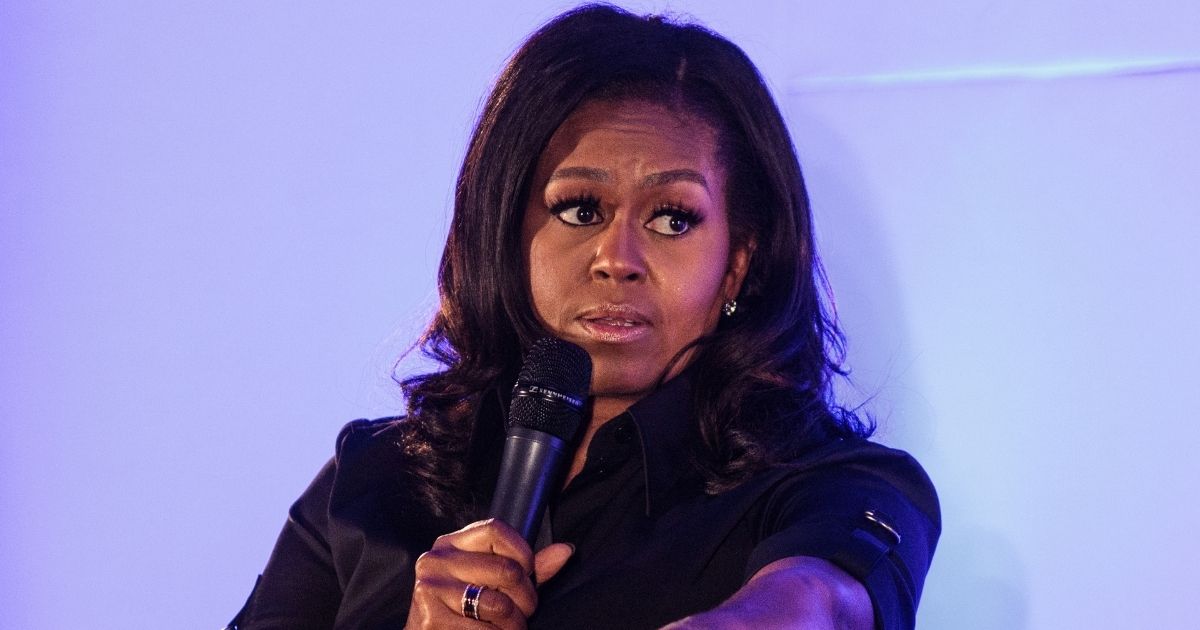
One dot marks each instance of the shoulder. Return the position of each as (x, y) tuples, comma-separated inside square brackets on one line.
[(862, 462), (368, 452), (861, 484), (379, 484), (357, 432), (357, 443), (359, 437)]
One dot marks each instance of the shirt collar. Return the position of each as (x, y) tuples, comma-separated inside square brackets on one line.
[(669, 440), (665, 426)]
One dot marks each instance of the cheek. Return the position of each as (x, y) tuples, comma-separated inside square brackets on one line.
[(696, 290), (546, 280)]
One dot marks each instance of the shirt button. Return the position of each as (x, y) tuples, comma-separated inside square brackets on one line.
[(623, 434)]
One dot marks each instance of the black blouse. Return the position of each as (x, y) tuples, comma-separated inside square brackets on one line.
[(650, 546)]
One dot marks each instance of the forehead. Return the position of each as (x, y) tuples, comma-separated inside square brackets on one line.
[(633, 133)]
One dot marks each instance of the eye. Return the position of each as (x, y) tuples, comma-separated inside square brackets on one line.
[(578, 211), (673, 221)]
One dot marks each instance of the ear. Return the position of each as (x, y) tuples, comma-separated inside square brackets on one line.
[(739, 266)]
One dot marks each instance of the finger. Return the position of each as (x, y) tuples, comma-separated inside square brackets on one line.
[(430, 611), (496, 608), (550, 560), (493, 607), (491, 536), (469, 567)]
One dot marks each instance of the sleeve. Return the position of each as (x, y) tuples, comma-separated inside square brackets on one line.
[(299, 588), (870, 510)]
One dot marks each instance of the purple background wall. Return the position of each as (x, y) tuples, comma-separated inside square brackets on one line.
[(219, 224)]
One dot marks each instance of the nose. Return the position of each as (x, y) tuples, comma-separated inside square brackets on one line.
[(619, 253)]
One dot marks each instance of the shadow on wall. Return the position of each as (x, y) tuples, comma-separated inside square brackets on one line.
[(977, 579), (978, 582)]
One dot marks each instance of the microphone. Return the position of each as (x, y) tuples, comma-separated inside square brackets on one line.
[(546, 408)]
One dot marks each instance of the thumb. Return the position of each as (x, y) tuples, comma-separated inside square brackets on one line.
[(547, 562)]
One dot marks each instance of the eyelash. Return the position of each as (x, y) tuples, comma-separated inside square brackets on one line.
[(590, 202), (678, 211)]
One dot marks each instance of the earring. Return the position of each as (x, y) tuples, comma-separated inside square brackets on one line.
[(729, 308)]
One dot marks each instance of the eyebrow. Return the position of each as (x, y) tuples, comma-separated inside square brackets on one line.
[(677, 175), (654, 179), (581, 172)]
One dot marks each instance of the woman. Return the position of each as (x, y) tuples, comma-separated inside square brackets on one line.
[(630, 187)]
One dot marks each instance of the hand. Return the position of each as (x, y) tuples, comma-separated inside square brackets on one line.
[(487, 553)]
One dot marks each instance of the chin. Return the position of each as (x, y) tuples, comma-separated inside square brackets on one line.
[(623, 378)]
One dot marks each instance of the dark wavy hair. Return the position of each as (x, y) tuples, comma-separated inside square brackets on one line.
[(762, 380)]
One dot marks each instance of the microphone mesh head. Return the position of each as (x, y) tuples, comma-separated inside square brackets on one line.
[(556, 369)]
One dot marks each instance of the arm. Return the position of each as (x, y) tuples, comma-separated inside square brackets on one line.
[(298, 589), (795, 592), (871, 514)]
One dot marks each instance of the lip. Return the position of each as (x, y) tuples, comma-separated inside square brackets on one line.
[(614, 323)]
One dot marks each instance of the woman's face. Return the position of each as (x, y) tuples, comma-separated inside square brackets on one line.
[(626, 238)]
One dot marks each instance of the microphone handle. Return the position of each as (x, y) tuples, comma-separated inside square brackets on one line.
[(529, 470)]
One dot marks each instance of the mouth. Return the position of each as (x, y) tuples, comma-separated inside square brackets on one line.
[(612, 323)]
